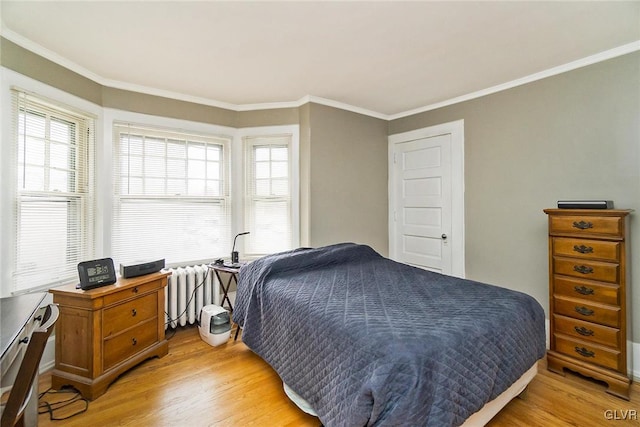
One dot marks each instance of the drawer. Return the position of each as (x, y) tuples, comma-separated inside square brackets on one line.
[(132, 292), (586, 269), (585, 225), (587, 331), (121, 347), (608, 315), (126, 315), (586, 290), (13, 357), (587, 249), (588, 352)]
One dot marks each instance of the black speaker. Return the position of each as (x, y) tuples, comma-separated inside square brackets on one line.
[(585, 204), (135, 270)]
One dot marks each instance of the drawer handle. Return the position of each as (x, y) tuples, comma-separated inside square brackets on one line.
[(582, 225), (584, 352), (583, 269), (583, 290), (584, 311), (134, 341), (583, 249), (134, 312), (584, 331), (135, 290), (24, 340)]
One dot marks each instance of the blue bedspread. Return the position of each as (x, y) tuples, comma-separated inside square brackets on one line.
[(369, 341)]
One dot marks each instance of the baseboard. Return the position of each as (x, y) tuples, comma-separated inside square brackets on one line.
[(634, 369), (547, 329)]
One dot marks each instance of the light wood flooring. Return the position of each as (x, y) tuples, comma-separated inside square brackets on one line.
[(199, 385)]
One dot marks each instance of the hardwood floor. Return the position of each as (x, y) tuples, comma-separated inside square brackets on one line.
[(199, 385)]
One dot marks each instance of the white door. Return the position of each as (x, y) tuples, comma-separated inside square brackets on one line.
[(426, 199)]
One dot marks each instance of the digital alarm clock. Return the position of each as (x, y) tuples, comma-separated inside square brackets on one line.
[(96, 273)]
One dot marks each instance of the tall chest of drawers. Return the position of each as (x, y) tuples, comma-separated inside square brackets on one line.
[(103, 332), (589, 309)]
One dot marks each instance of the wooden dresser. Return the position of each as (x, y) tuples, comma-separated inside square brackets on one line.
[(103, 332), (589, 310)]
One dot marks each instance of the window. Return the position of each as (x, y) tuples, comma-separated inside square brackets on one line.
[(53, 211), (268, 209), (172, 196)]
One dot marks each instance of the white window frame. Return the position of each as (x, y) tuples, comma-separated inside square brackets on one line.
[(294, 182), (8, 181), (181, 207)]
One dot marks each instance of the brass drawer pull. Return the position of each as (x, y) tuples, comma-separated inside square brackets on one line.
[(134, 312), (134, 341), (583, 249), (584, 331), (135, 290), (583, 290), (583, 269), (584, 352), (584, 311), (582, 225)]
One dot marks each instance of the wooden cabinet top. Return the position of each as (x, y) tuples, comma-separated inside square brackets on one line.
[(121, 285), (589, 212)]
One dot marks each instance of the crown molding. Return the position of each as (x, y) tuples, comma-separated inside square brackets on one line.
[(72, 66), (583, 62), (343, 106), (48, 54)]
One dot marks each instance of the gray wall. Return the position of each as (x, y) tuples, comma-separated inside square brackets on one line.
[(348, 178), (571, 136)]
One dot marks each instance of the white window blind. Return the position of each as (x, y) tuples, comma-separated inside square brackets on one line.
[(54, 191), (172, 196), (268, 194)]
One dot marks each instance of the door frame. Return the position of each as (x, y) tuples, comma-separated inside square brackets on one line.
[(457, 239)]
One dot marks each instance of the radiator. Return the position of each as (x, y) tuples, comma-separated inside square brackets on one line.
[(182, 304)]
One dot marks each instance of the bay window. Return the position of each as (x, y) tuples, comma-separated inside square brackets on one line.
[(82, 182)]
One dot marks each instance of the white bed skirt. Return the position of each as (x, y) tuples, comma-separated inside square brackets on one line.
[(490, 409), (480, 418)]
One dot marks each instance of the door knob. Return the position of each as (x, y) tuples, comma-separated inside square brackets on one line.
[(444, 236)]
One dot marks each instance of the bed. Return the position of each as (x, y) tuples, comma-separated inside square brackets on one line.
[(361, 340)]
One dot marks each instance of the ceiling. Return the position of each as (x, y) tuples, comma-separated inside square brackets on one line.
[(387, 58)]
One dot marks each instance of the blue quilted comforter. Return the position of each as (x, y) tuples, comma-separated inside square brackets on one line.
[(369, 341)]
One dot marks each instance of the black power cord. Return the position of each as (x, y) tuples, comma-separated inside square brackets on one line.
[(45, 407)]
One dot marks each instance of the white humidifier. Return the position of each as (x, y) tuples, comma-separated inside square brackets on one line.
[(214, 325)]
